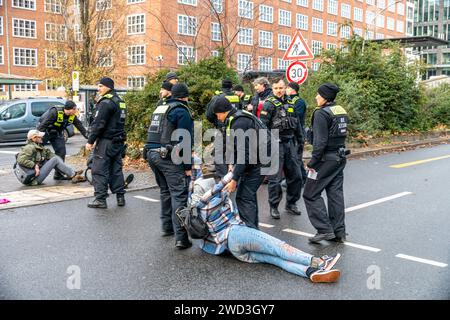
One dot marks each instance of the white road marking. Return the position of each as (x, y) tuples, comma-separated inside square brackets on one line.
[(433, 263), (146, 199), (350, 244), (371, 203), (9, 152), (265, 225)]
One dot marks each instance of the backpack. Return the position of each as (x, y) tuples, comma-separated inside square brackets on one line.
[(24, 175), (192, 221)]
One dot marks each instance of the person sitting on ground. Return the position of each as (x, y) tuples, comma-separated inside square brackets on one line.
[(227, 232), (35, 156)]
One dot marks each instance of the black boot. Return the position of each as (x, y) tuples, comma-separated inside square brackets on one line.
[(120, 199), (274, 213), (98, 203), (292, 209)]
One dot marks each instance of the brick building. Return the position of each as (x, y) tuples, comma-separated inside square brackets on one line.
[(166, 34)]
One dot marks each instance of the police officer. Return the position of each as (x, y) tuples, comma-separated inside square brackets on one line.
[(172, 77), (172, 178), (53, 122), (107, 131), (292, 91), (245, 99), (227, 92), (165, 92), (246, 176), (326, 167), (278, 113)]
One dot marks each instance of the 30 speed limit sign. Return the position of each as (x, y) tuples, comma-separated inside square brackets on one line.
[(297, 72)]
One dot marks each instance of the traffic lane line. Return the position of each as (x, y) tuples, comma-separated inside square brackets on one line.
[(421, 260), (350, 244), (265, 225), (146, 199), (9, 152), (413, 163), (374, 202)]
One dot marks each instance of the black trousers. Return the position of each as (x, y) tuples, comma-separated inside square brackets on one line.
[(107, 168), (59, 146), (289, 164), (301, 148), (330, 177), (246, 196), (174, 189)]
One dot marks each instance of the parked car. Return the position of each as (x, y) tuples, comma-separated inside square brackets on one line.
[(17, 117)]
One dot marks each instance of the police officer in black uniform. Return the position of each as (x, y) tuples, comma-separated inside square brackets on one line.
[(53, 122), (245, 99), (278, 113), (326, 167), (165, 93), (247, 175), (227, 92), (107, 131), (172, 177)]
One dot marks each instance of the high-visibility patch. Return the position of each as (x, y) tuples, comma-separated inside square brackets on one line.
[(337, 110)]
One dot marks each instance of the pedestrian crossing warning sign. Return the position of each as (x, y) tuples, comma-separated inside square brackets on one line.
[(298, 49)]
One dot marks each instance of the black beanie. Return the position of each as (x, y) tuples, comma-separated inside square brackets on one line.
[(294, 85), (180, 90), (107, 82), (238, 87), (328, 91), (69, 105), (167, 86), (227, 84), (222, 105)]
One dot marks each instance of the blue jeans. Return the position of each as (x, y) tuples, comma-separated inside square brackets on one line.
[(254, 246)]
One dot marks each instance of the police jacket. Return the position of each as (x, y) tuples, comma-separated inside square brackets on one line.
[(299, 108), (33, 153), (278, 113), (243, 120), (245, 101), (258, 100), (167, 118), (329, 130), (54, 120), (227, 93), (109, 119)]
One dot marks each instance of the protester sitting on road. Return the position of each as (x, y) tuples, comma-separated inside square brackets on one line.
[(35, 156), (227, 232)]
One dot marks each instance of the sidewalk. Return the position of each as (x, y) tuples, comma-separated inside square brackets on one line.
[(56, 191)]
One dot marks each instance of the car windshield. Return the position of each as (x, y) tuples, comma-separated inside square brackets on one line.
[(4, 106)]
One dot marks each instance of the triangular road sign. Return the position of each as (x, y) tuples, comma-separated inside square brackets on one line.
[(298, 49)]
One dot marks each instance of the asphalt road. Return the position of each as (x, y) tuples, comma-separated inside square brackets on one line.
[(120, 254)]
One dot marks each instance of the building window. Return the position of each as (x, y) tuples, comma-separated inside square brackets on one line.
[(316, 47), (53, 6), (55, 32), (104, 30), (245, 9), (302, 22), (25, 87), (317, 25), (390, 24), (104, 58), (53, 59), (283, 41), (2, 61), (346, 11), (370, 2), (134, 1), (358, 14), (136, 24), (400, 26), (188, 2), (1, 25), (217, 6), (332, 7), (51, 85), (381, 4), (24, 4), (24, 28), (265, 63), (379, 36), (101, 5), (380, 21), (215, 53), (186, 54), (302, 3), (136, 82), (401, 9), (370, 17), (187, 25), (244, 62), (391, 5), (245, 36), (266, 14), (25, 57), (284, 18), (369, 35), (136, 55), (358, 31), (331, 28), (283, 64), (265, 39), (345, 32), (315, 66), (77, 33), (318, 5), (331, 46), (216, 34)]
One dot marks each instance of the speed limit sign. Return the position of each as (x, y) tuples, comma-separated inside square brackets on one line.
[(297, 72)]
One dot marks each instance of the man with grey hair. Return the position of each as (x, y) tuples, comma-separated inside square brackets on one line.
[(263, 91)]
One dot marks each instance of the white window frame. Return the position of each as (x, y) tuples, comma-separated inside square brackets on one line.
[(105, 29), (316, 47), (134, 80), (345, 32), (217, 6), (135, 1), (53, 6), (55, 57), (303, 3), (245, 9), (24, 4), (18, 28), (346, 11), (400, 26), (104, 61), (318, 5), (1, 25), (401, 8), (136, 27), (302, 21), (331, 46), (283, 41), (188, 2), (182, 58), (358, 14), (332, 28), (266, 62), (317, 25), (390, 23), (25, 65), (265, 39), (2, 55), (54, 33), (243, 58), (216, 33), (283, 64), (245, 36), (101, 5), (265, 13), (28, 87), (187, 25), (138, 57), (284, 18), (78, 36), (332, 7)]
